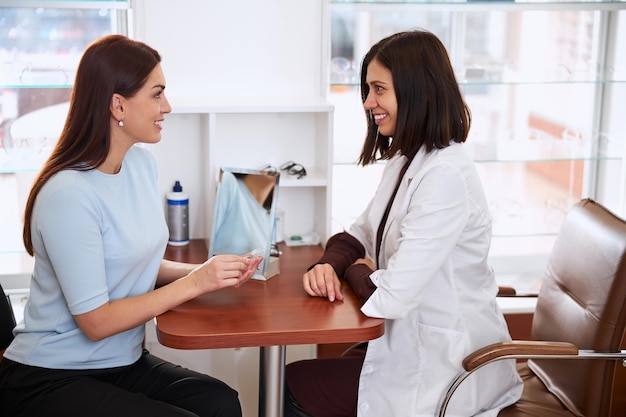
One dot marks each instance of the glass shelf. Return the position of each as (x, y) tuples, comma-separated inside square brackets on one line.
[(27, 86), (338, 86), (27, 69), (473, 4), (83, 4), (537, 146), (387, 3), (525, 152)]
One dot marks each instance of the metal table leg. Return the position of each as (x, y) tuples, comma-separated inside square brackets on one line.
[(271, 380)]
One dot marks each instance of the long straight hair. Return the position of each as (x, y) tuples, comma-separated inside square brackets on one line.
[(111, 64), (431, 109)]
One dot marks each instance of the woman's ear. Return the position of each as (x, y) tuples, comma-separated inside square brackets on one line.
[(117, 106)]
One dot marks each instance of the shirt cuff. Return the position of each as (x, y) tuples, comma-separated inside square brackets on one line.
[(341, 251), (358, 276)]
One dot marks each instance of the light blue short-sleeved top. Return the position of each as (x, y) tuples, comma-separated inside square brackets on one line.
[(97, 238)]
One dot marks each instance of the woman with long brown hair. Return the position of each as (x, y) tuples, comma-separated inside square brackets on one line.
[(95, 225)]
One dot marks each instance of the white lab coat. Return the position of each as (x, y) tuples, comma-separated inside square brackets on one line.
[(435, 291)]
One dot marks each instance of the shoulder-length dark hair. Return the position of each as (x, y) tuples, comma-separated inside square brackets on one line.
[(111, 64), (431, 109)]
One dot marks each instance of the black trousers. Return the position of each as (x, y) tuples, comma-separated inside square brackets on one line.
[(151, 387)]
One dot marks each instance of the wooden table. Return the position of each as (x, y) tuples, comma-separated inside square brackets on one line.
[(269, 314)]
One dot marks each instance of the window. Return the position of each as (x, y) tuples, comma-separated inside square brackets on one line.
[(41, 43), (543, 82)]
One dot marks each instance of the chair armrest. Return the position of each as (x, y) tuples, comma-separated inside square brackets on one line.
[(508, 291), (517, 348)]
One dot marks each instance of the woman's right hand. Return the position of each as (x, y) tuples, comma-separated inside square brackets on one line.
[(322, 281), (223, 271), (125, 313)]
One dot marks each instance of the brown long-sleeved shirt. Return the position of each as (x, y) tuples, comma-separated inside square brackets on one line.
[(341, 251)]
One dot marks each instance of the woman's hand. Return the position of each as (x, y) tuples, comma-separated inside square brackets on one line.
[(223, 271), (322, 281), (125, 313)]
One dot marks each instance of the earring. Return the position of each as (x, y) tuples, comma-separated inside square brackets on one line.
[(120, 123)]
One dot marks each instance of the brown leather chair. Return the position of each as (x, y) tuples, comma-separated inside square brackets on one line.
[(579, 323), (7, 321)]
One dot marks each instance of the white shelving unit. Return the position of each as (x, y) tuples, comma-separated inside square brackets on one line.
[(252, 133), (246, 97)]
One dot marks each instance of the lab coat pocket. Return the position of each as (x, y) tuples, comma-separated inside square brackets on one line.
[(442, 351)]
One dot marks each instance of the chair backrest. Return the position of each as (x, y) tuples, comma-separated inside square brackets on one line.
[(7, 321), (582, 301)]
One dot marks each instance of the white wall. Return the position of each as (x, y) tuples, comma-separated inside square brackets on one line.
[(235, 48)]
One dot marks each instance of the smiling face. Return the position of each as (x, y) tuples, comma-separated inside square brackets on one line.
[(144, 112), (381, 98)]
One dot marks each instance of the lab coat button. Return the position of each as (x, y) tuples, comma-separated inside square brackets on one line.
[(367, 369), (364, 406)]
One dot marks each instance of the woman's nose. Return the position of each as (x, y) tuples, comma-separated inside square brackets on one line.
[(370, 102), (165, 105)]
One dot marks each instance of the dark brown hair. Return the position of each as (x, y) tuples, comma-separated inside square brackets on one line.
[(431, 109), (111, 64)]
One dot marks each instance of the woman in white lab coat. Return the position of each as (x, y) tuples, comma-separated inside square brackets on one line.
[(416, 257)]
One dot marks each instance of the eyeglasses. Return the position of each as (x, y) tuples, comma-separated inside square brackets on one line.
[(293, 169)]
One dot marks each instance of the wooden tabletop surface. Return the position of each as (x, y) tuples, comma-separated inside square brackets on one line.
[(264, 313)]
